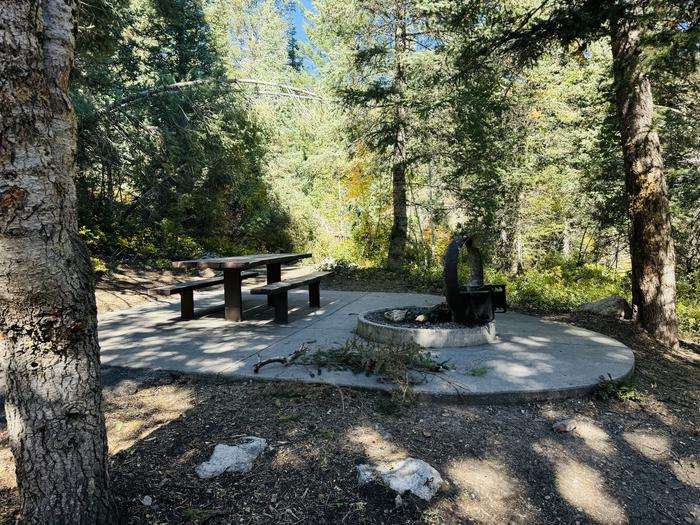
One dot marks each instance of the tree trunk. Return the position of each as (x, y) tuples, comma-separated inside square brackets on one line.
[(47, 304), (399, 229), (511, 245), (651, 241)]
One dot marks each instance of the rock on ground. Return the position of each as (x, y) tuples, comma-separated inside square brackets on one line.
[(236, 458), (613, 306), (406, 475), (565, 425), (127, 387), (396, 316)]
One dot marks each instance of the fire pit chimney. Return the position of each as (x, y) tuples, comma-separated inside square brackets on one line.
[(475, 303)]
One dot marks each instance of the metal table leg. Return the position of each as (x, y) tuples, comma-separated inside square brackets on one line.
[(274, 275), (233, 310)]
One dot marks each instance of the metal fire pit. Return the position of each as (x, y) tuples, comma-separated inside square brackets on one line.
[(475, 303)]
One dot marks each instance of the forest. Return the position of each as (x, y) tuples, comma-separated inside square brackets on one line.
[(498, 206), (517, 142)]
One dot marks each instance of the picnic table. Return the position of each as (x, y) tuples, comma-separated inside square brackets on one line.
[(232, 268)]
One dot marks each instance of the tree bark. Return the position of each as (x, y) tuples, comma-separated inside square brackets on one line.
[(651, 241), (47, 304), (399, 229)]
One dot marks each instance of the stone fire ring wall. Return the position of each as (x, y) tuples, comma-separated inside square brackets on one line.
[(429, 337)]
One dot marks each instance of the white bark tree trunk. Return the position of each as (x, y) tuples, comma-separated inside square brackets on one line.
[(48, 328)]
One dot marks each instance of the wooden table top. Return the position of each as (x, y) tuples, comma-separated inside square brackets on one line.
[(241, 262)]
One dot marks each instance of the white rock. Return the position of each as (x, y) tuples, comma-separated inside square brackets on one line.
[(365, 474), (237, 458), (613, 306), (395, 316), (406, 475), (206, 273), (147, 501), (565, 425), (327, 264), (422, 318)]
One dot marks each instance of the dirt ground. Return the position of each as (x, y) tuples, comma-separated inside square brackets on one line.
[(633, 461), (125, 287)]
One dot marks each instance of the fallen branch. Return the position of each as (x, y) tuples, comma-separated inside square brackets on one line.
[(342, 397), (288, 91), (286, 361)]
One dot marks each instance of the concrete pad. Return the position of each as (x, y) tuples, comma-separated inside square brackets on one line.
[(532, 358)]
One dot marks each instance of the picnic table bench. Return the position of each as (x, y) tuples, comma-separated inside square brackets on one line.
[(278, 292), (186, 289), (234, 271)]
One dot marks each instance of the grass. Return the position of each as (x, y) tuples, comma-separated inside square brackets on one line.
[(290, 418), (478, 371), (195, 514), (619, 389), (327, 433), (388, 406)]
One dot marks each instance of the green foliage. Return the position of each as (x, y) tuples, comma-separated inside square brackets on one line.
[(93, 238), (688, 304), (98, 265), (525, 155), (165, 240), (288, 419), (620, 390), (559, 285), (178, 172), (389, 406), (327, 433), (198, 514), (479, 371)]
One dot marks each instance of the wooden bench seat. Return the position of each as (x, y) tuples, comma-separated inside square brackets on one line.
[(185, 291), (278, 292)]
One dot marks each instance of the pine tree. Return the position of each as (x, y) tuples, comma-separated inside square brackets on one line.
[(642, 34), (368, 49)]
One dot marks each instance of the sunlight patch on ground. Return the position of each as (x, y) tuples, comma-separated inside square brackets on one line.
[(128, 420), (651, 445), (147, 411), (687, 471), (286, 458), (375, 446), (486, 491), (553, 412), (594, 437), (7, 464), (584, 488)]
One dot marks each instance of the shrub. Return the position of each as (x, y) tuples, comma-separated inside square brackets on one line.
[(688, 304), (98, 265), (164, 241), (560, 287), (620, 389)]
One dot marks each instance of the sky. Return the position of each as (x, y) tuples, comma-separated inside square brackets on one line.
[(299, 19)]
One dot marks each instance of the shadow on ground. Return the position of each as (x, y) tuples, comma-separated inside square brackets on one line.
[(626, 462)]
